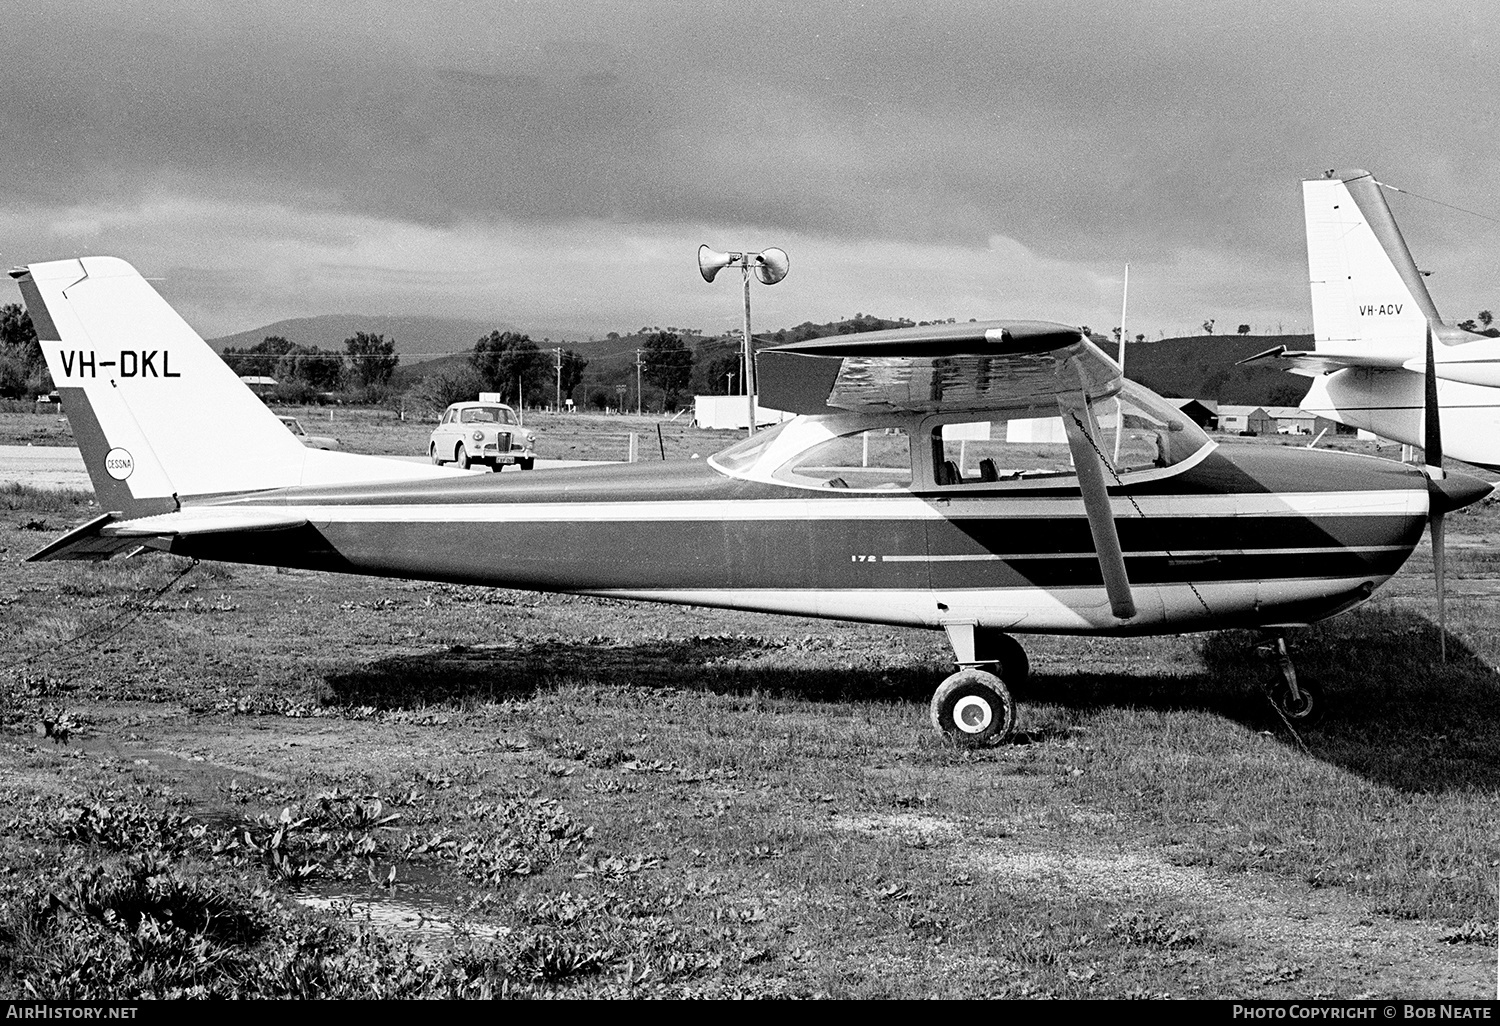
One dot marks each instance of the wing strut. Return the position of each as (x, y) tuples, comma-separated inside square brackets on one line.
[(1089, 463)]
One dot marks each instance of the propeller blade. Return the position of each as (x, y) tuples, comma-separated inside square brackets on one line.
[(1437, 569), (1445, 494), (1432, 456), (1432, 440)]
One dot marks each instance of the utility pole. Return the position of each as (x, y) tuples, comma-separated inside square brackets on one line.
[(639, 363), (558, 351)]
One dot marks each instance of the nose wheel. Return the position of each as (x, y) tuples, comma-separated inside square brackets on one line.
[(1293, 698)]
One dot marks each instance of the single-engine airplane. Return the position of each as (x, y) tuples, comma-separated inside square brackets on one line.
[(961, 477), (1371, 316)]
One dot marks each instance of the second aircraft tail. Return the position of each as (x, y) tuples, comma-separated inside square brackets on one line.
[(1366, 289)]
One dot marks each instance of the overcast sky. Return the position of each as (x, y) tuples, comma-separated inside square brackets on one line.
[(556, 164)]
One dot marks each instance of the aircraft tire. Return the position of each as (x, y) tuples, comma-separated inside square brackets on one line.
[(974, 709), (1305, 712), (1007, 653), (461, 457)]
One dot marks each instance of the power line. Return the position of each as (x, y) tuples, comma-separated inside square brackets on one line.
[(1429, 199)]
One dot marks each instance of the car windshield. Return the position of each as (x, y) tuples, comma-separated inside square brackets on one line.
[(292, 425), (487, 415)]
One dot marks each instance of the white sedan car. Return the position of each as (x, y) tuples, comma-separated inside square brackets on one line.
[(311, 441), (482, 433)]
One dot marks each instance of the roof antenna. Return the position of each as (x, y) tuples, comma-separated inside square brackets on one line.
[(1119, 404)]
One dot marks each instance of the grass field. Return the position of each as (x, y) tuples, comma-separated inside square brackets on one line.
[(224, 780)]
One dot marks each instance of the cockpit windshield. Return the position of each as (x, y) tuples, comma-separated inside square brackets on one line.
[(747, 451)]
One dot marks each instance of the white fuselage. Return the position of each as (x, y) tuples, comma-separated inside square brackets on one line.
[(1390, 403)]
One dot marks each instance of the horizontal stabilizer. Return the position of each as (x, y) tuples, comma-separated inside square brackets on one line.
[(1327, 359), (1475, 363), (209, 520), (86, 543)]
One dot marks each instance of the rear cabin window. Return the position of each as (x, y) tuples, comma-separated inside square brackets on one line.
[(876, 459)]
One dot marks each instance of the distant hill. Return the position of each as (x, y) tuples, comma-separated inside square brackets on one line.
[(1203, 367), (416, 338)]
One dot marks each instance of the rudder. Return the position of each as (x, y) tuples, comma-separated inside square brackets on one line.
[(1366, 288)]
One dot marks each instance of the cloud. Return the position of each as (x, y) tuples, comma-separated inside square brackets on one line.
[(1088, 134), (228, 266)]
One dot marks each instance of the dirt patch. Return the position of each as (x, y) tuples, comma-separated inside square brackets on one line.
[(1307, 941)]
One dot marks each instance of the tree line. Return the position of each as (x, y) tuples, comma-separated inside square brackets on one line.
[(674, 363), (363, 369), (23, 369)]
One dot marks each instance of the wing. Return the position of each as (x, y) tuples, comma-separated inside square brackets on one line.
[(985, 365), (1325, 360)]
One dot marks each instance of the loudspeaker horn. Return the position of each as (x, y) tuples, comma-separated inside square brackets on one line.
[(711, 262), (771, 265)]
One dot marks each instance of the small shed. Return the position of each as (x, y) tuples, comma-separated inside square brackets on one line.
[(1237, 420), (1291, 420), (733, 411), (259, 384)]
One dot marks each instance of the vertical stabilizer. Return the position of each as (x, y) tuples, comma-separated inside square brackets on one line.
[(1366, 289), (155, 411), (157, 414)]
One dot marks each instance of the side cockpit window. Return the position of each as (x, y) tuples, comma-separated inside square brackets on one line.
[(1135, 431), (876, 459)]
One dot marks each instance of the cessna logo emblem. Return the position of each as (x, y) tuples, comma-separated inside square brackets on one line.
[(119, 464)]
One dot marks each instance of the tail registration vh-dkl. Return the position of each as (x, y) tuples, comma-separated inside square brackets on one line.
[(987, 479)]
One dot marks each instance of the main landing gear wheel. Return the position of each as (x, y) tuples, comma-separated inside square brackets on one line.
[(974, 709), (461, 457)]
